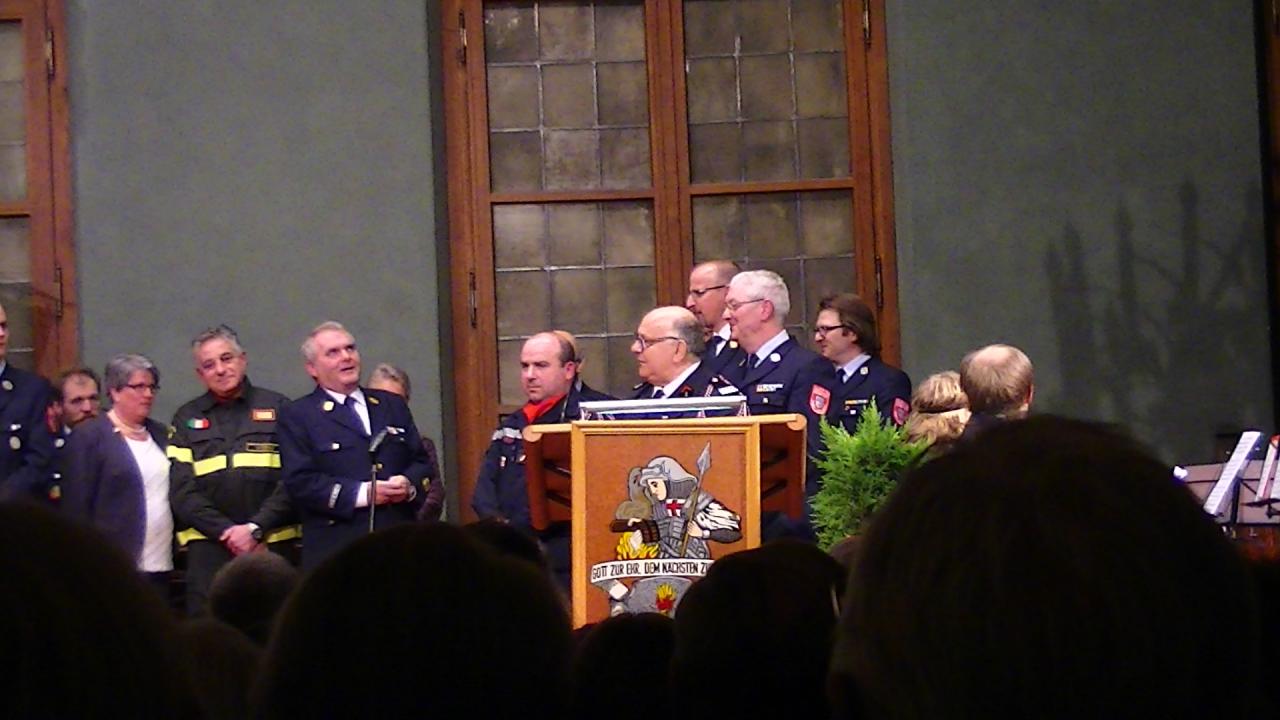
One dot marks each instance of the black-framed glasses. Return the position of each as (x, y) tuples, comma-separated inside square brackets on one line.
[(646, 343), (143, 387), (734, 306), (824, 329), (697, 294)]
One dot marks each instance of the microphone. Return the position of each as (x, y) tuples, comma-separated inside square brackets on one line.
[(376, 442)]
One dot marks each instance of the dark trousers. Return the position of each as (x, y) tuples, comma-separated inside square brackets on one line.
[(204, 558)]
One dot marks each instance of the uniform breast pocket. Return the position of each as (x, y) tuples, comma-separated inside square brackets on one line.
[(771, 395)]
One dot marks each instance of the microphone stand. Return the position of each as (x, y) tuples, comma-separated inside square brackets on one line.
[(373, 474)]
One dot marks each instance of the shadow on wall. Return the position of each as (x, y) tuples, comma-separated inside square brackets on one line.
[(1173, 350)]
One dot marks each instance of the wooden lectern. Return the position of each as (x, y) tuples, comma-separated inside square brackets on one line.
[(653, 502)]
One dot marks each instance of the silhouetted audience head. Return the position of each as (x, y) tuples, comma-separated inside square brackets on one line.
[(619, 669), (939, 410), (419, 617), (508, 541), (249, 591), (221, 664), (753, 637), (1050, 568), (83, 635)]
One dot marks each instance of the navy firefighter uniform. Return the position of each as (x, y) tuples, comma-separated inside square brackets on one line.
[(773, 386), (853, 389), (704, 381), (324, 454), (225, 471), (722, 354), (26, 445), (501, 490)]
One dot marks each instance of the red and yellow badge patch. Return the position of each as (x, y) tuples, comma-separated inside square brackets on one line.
[(819, 399), (900, 411)]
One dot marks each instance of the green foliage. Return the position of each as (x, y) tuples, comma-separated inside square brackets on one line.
[(858, 473)]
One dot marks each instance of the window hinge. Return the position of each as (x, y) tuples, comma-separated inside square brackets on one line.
[(462, 38), (866, 22), (48, 52), (471, 300), (57, 280), (879, 285)]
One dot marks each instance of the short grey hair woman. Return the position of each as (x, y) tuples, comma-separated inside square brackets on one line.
[(117, 473)]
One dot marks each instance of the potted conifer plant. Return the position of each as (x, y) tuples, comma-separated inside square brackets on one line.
[(859, 470)]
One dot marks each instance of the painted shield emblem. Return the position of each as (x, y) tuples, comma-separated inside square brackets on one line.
[(900, 411), (819, 399)]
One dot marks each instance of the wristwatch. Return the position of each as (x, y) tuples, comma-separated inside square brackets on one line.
[(256, 532)]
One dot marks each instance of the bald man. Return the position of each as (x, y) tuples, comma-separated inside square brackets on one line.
[(669, 349), (1000, 383)]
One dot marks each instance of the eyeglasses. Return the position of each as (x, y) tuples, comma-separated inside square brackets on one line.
[(144, 387), (824, 329), (735, 306), (697, 294), (646, 343)]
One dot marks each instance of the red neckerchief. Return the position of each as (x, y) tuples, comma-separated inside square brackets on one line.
[(533, 411)]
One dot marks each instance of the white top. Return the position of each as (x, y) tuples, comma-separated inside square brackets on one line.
[(153, 466)]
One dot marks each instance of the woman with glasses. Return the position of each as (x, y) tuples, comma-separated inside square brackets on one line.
[(117, 474)]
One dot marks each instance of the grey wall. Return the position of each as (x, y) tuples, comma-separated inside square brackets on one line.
[(1083, 180), (263, 164)]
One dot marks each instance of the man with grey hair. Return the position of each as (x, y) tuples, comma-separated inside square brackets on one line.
[(771, 374), (669, 350), (26, 444), (386, 376), (225, 474), (345, 449)]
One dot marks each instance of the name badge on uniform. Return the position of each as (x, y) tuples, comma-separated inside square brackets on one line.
[(264, 414), (769, 387), (198, 423)]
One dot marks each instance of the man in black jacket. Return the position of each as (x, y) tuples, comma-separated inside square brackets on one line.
[(549, 377), (225, 465)]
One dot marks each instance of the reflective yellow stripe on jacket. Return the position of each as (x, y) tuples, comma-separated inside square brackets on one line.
[(217, 463), (289, 532)]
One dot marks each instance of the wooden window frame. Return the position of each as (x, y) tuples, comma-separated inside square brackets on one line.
[(48, 203), (471, 265)]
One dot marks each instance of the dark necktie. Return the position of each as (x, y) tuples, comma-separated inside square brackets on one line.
[(657, 393), (716, 343), (350, 403), (755, 361)]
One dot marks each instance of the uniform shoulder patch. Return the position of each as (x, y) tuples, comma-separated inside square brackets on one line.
[(900, 411), (819, 399)]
